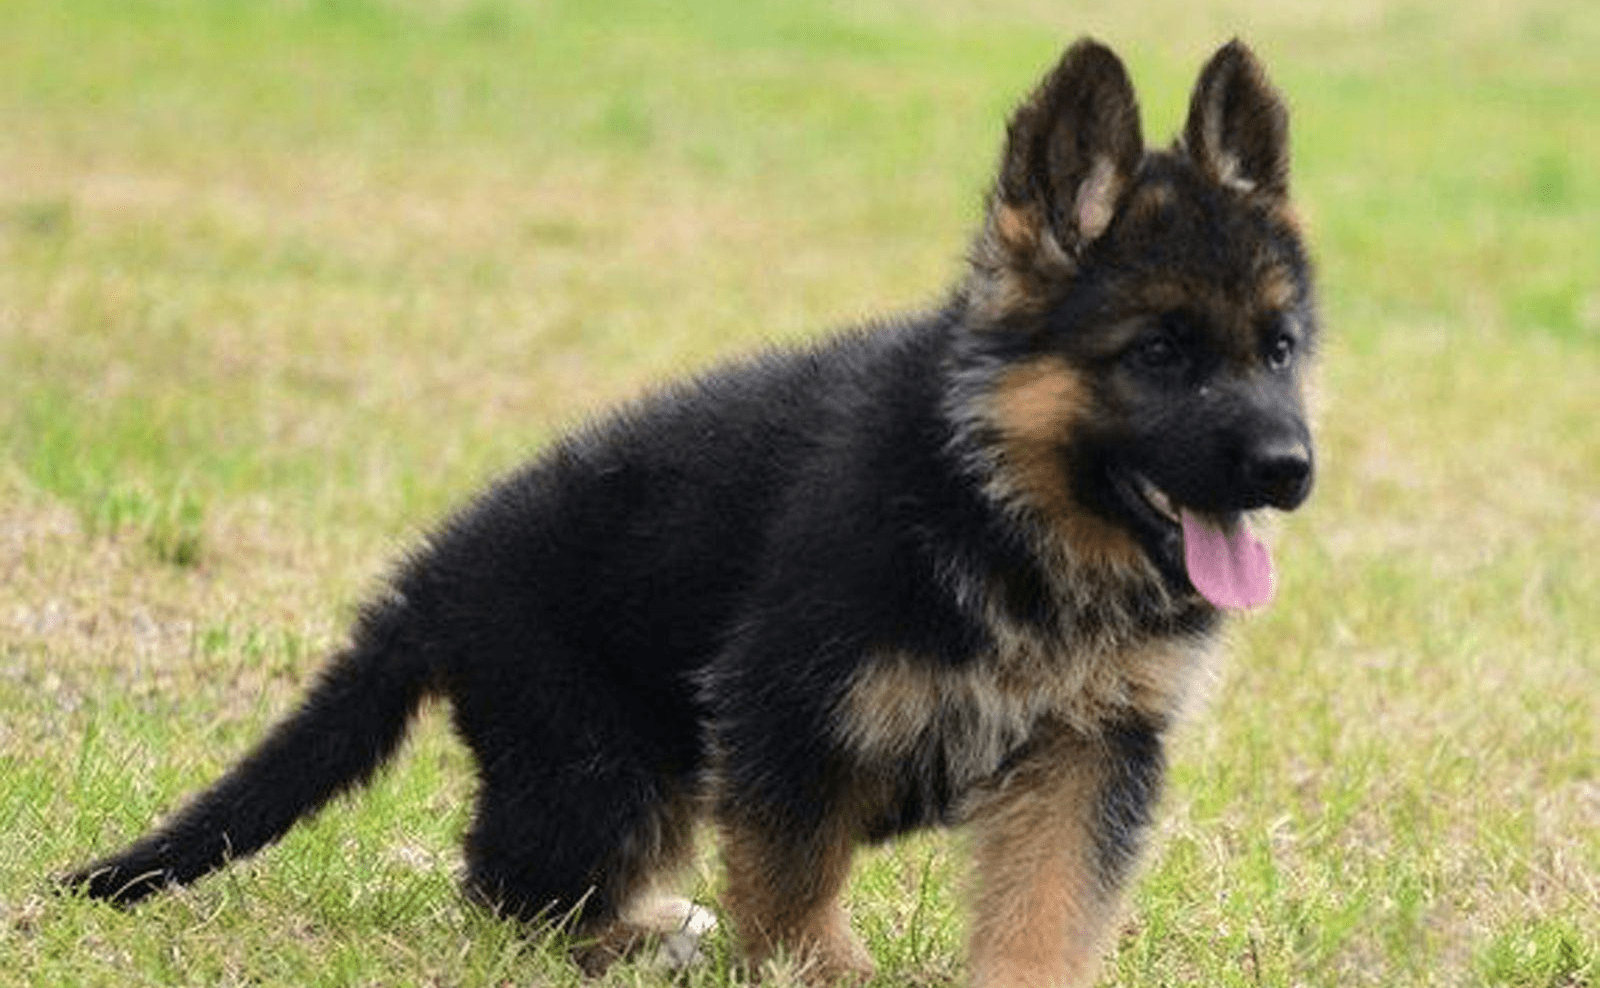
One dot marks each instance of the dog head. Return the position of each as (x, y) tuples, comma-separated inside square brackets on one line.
[(1138, 322)]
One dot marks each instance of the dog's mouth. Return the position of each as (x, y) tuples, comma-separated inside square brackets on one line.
[(1221, 557)]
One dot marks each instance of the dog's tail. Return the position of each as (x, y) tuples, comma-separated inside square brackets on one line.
[(349, 725)]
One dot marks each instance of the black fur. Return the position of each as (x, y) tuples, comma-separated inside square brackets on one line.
[(1137, 763)]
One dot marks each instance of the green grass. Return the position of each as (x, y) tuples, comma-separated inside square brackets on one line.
[(280, 282)]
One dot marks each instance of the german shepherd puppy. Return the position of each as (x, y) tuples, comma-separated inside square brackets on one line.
[(957, 569)]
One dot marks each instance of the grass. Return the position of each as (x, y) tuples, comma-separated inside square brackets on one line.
[(281, 282)]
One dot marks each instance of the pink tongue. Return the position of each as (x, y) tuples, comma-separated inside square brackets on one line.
[(1229, 566)]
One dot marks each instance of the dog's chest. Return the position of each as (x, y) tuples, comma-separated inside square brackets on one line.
[(913, 717)]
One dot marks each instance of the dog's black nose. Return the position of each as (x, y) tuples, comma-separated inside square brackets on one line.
[(1279, 473)]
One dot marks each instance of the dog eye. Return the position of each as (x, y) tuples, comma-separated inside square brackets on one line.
[(1280, 352), (1158, 353)]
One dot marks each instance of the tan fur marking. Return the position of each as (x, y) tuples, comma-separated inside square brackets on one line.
[(981, 712), (781, 910), (890, 707), (1028, 246), (1158, 296), (1040, 915), (1034, 408), (1151, 200), (1006, 292), (1277, 290), (1015, 261), (1285, 212), (1038, 401), (1017, 227)]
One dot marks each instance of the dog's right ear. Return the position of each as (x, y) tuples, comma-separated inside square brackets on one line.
[(1071, 152), (1238, 128)]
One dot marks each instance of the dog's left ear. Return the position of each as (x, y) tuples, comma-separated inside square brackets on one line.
[(1238, 129)]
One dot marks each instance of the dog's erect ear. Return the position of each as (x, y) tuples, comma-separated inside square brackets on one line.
[(1071, 152), (1238, 129), (1073, 146)]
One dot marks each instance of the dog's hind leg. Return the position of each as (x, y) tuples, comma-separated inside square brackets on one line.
[(782, 893), (580, 844), (585, 804)]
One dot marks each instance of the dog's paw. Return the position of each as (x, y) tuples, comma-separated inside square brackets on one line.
[(678, 926)]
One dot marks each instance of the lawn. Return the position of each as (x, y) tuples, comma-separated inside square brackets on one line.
[(281, 282)]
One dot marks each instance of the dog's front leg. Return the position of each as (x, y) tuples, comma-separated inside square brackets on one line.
[(1055, 837)]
